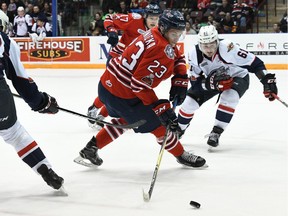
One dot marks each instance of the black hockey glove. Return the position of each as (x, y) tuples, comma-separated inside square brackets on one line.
[(218, 80), (269, 85), (112, 36), (179, 84), (166, 115), (49, 105)]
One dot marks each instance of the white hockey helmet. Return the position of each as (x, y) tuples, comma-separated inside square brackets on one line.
[(4, 21), (208, 34)]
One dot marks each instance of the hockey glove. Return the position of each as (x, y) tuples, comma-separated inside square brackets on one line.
[(165, 114), (269, 84), (112, 36), (49, 105), (179, 84), (219, 81)]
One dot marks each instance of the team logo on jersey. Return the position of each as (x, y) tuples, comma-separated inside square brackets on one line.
[(148, 79), (108, 83), (230, 47), (169, 51), (136, 16)]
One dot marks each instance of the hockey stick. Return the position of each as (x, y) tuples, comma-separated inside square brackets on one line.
[(174, 104), (279, 99), (127, 126), (147, 196)]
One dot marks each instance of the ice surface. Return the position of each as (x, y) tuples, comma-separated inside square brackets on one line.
[(247, 174)]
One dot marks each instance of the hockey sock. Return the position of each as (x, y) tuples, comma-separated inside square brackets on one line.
[(226, 108), (103, 111), (108, 133), (186, 112), (173, 145), (25, 146), (97, 103)]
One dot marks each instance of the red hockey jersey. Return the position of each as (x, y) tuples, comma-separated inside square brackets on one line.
[(142, 66), (132, 24)]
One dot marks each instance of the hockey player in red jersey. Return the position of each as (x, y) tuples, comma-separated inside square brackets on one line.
[(126, 88), (11, 129), (220, 68), (132, 25)]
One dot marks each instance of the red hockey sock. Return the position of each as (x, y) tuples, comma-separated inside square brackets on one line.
[(173, 145), (108, 133), (97, 103), (103, 111)]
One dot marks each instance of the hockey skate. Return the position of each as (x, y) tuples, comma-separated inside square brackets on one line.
[(92, 112), (191, 160), (52, 179), (89, 155), (214, 136)]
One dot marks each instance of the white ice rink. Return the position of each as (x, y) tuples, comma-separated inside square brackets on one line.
[(247, 175)]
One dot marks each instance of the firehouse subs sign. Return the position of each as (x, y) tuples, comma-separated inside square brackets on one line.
[(55, 49)]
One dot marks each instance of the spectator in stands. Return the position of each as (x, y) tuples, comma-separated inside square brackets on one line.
[(12, 7), (19, 3), (47, 10), (187, 6), (37, 13), (22, 23), (10, 14), (42, 28), (225, 8), (283, 23), (276, 28), (189, 29), (29, 9), (239, 15), (124, 9), (198, 24), (203, 5), (134, 4), (188, 18), (96, 27), (143, 3), (106, 5), (210, 20), (226, 24)]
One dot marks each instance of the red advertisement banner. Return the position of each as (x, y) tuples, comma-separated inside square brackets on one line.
[(54, 49)]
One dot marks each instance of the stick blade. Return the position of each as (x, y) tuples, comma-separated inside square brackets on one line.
[(146, 196)]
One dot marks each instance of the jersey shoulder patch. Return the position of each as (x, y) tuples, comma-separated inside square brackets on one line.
[(169, 51)]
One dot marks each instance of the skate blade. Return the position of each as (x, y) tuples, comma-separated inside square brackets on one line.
[(195, 168), (84, 162), (211, 149), (61, 192)]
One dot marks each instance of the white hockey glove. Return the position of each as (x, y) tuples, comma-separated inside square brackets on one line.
[(41, 36), (33, 36), (36, 38)]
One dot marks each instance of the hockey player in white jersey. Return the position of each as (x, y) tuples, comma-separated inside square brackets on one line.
[(220, 67), (11, 130)]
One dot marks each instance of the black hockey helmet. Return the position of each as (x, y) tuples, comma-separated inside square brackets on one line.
[(171, 19), (152, 9)]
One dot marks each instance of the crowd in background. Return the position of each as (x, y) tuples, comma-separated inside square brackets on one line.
[(228, 16)]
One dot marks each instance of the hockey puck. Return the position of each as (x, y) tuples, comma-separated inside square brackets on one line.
[(195, 204)]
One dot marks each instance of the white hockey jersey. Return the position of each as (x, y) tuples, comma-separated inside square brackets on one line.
[(230, 57)]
